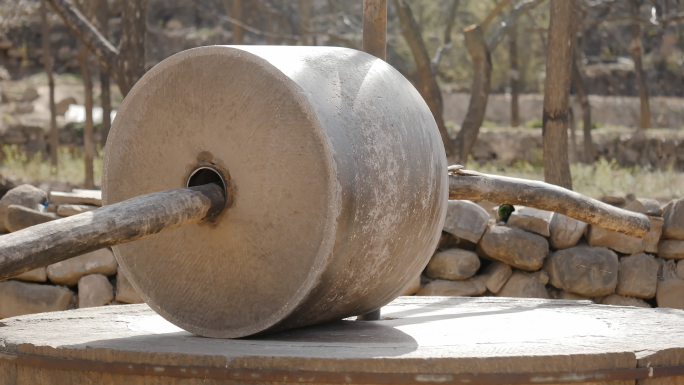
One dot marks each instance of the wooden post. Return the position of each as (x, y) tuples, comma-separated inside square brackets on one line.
[(645, 109), (557, 93), (375, 28), (514, 75), (47, 62), (238, 32), (102, 13)]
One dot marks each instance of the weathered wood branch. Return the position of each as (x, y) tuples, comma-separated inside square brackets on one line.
[(493, 13), (375, 28), (520, 9), (471, 185), (446, 45), (79, 25), (122, 222)]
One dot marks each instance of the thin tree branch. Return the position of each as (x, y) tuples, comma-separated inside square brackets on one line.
[(510, 21), (631, 18), (434, 65), (499, 7)]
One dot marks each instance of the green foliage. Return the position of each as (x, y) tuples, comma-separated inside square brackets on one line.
[(505, 212), (534, 123)]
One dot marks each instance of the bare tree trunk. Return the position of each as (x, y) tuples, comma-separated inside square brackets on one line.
[(446, 44), (479, 93), (572, 156), (556, 93), (132, 44), (578, 81), (127, 63), (305, 19), (645, 110), (88, 127), (375, 28), (47, 62), (494, 12), (514, 76), (238, 32), (427, 83), (103, 21)]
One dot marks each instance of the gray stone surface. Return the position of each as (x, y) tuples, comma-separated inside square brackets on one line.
[(20, 217), (531, 219), (671, 249), (615, 199), (94, 290), (620, 300), (650, 241), (67, 210), (425, 335), (674, 219), (453, 264), (70, 271), (646, 206), (584, 270), (680, 270), (565, 231), (515, 247), (127, 294), (523, 285), (497, 274), (670, 293), (467, 287), (623, 243), (24, 195), (562, 294), (19, 298), (36, 275), (466, 220), (638, 276)]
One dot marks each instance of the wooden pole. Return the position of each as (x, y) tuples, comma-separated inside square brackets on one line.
[(238, 32), (471, 185), (375, 28), (126, 221)]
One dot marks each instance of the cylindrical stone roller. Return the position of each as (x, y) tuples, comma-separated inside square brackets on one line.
[(335, 166)]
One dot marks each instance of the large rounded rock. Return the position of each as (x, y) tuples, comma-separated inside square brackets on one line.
[(515, 247), (24, 195), (638, 276), (523, 285), (453, 264), (674, 219), (670, 293), (584, 270)]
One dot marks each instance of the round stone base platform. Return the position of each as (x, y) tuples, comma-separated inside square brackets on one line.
[(420, 340)]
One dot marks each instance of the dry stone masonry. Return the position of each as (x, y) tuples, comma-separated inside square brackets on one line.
[(535, 254), (538, 254)]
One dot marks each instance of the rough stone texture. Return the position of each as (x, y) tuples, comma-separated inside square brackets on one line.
[(127, 294), (94, 290), (562, 294), (620, 300), (638, 276), (19, 298), (67, 210), (537, 336), (468, 287), (20, 217), (646, 206), (588, 271), (541, 275), (671, 249), (680, 270), (650, 241), (670, 293), (667, 269), (565, 231), (70, 271), (619, 242), (515, 247), (466, 220), (36, 275), (453, 264), (24, 195), (531, 219), (673, 214), (615, 199), (410, 290), (497, 274), (523, 285)]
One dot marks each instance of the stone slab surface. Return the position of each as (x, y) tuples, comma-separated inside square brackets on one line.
[(416, 335)]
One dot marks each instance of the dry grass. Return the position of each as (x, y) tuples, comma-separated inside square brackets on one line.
[(70, 166)]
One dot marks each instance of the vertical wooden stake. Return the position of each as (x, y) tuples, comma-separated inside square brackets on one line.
[(238, 32), (375, 28), (47, 62)]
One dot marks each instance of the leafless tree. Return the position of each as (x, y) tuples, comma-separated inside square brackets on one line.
[(47, 62), (102, 13), (644, 110), (559, 59)]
